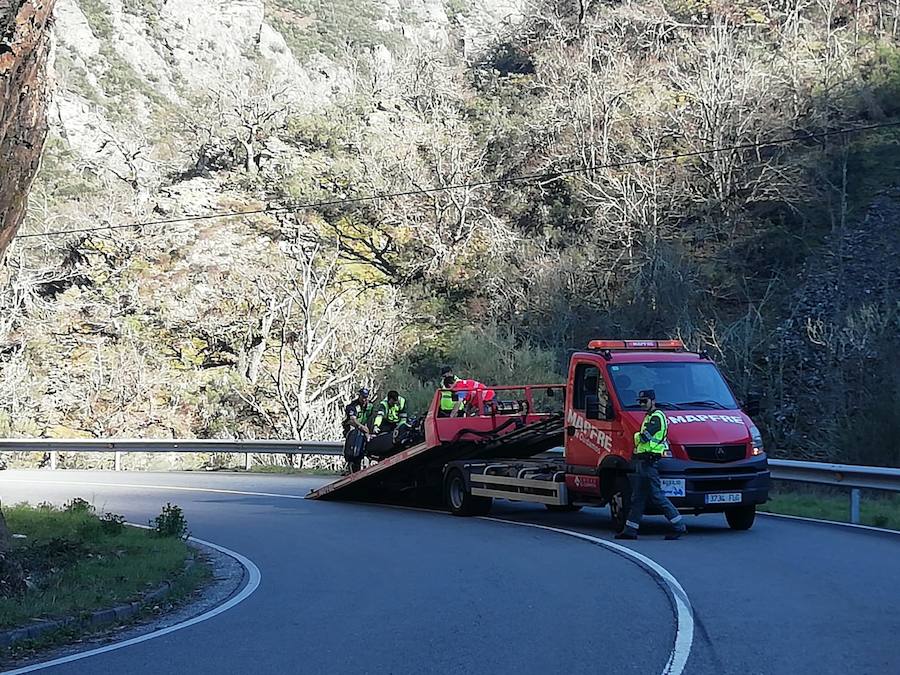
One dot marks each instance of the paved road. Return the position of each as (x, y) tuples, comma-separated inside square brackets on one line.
[(350, 588)]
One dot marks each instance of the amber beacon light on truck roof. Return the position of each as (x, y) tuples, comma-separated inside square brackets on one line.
[(637, 345)]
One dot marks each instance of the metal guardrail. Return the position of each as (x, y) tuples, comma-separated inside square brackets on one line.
[(850, 476), (246, 447), (843, 475)]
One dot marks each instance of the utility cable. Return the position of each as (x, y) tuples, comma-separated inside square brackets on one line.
[(551, 175)]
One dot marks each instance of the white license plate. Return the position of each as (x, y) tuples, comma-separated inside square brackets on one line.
[(724, 498), (672, 487)]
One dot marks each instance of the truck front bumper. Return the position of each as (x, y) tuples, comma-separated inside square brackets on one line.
[(706, 483)]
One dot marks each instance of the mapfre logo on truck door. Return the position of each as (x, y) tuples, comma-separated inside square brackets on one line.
[(596, 439)]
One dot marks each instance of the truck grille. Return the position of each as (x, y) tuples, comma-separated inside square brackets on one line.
[(722, 485), (716, 453)]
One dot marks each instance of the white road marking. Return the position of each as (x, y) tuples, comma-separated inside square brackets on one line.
[(246, 592), (868, 528), (684, 613)]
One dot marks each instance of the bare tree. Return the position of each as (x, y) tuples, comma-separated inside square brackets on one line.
[(234, 117), (731, 98), (255, 109), (331, 331), (414, 141)]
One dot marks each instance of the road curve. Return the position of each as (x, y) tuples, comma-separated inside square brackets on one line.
[(350, 588)]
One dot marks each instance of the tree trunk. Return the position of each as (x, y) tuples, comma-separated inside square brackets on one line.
[(250, 164), (258, 348), (24, 45)]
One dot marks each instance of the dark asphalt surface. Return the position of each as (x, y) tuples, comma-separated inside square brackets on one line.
[(350, 588), (783, 597), (365, 589)]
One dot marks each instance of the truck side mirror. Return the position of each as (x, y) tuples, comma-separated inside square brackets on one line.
[(592, 407)]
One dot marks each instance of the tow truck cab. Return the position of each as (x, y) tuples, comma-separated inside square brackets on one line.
[(716, 461)]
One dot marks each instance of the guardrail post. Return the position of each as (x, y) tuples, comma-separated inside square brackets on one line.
[(854, 506), (248, 460), (118, 460), (54, 458)]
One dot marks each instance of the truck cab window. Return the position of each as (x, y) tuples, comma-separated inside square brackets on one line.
[(587, 382), (678, 385)]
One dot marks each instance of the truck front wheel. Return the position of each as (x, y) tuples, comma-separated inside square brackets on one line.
[(460, 501), (741, 517)]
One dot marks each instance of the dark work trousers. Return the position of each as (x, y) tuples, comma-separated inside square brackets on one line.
[(645, 487)]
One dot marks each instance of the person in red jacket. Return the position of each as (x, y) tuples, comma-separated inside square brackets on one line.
[(470, 395)]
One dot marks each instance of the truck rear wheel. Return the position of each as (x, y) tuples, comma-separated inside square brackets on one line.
[(460, 501), (741, 517), (620, 502)]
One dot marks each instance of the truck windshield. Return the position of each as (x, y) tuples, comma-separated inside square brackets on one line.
[(678, 385)]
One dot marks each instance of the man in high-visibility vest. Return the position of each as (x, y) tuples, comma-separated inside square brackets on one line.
[(448, 379), (391, 413), (650, 443)]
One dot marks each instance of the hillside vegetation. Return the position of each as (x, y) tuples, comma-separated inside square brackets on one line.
[(783, 260)]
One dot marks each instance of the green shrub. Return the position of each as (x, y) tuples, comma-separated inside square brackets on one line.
[(170, 523), (78, 505), (112, 524)]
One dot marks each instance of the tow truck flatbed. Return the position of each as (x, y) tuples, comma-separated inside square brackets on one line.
[(519, 433)]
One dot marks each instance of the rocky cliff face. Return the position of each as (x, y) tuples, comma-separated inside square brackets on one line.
[(24, 48), (125, 68)]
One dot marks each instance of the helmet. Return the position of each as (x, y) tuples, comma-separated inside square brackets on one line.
[(363, 392)]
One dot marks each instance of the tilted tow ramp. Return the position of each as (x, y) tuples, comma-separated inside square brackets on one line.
[(522, 422)]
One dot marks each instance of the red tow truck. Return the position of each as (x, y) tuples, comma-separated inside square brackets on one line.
[(505, 449)]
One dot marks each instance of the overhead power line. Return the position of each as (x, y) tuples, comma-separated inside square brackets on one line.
[(550, 175)]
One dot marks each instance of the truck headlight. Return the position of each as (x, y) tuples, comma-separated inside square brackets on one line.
[(756, 441)]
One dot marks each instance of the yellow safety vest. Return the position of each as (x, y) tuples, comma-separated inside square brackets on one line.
[(392, 412), (447, 398), (658, 443)]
